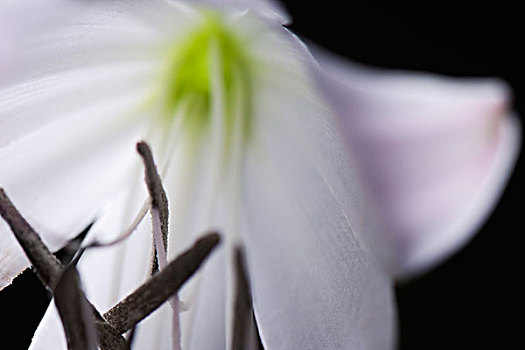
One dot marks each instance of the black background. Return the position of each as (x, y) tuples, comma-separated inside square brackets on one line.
[(474, 300)]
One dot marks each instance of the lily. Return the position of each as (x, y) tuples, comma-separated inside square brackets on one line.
[(335, 178)]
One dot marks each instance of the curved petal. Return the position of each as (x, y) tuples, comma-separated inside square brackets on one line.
[(111, 273), (81, 93), (99, 50), (50, 336), (38, 16), (315, 286), (268, 9), (192, 179), (68, 111), (108, 273), (68, 167), (312, 272), (436, 153)]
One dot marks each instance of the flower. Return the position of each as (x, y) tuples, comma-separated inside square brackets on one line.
[(250, 132)]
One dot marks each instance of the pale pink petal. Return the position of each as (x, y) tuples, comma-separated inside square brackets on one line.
[(435, 153)]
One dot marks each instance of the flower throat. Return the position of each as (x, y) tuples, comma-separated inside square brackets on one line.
[(209, 58)]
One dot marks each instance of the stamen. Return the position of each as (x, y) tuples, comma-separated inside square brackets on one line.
[(46, 264), (158, 238), (150, 295), (162, 262), (159, 200), (159, 216), (68, 252), (131, 335), (74, 310), (131, 310), (108, 337), (245, 333), (49, 268)]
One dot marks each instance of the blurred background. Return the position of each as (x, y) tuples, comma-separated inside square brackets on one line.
[(474, 300)]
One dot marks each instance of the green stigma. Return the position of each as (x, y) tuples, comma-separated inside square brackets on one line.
[(209, 54)]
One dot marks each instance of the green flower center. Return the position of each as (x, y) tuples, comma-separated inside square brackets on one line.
[(209, 58)]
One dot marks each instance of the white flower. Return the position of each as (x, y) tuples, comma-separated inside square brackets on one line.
[(249, 130)]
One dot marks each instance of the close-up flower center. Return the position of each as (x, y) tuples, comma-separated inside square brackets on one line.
[(207, 72), (196, 174)]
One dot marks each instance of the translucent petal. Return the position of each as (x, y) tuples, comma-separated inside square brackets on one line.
[(303, 213), (315, 285), (72, 167), (208, 329), (28, 106), (100, 49), (435, 152), (88, 34), (38, 16), (267, 9), (68, 111), (192, 177), (58, 136), (108, 273), (51, 335)]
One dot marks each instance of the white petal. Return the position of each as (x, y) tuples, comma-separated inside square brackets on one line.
[(67, 167), (100, 50), (315, 286), (208, 329), (49, 334), (267, 9), (436, 153), (83, 34), (38, 15), (109, 274), (66, 113), (28, 106)]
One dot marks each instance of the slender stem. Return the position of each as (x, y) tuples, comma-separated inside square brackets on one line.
[(128, 231), (162, 263)]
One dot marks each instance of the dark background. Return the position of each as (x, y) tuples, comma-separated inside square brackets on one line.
[(474, 300)]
